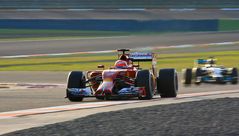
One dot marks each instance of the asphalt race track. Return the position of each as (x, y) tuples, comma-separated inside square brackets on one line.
[(215, 117), (43, 96), (11, 48)]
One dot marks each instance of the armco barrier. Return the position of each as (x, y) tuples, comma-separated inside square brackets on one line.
[(61, 4), (228, 25), (112, 25)]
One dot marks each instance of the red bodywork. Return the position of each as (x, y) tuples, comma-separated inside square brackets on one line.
[(109, 78), (121, 78)]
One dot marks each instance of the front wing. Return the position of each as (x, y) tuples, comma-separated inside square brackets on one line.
[(124, 92), (210, 79)]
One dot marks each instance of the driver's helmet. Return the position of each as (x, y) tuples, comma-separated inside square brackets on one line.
[(124, 57), (121, 64), (212, 61)]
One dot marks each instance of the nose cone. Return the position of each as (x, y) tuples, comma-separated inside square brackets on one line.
[(217, 72), (105, 88)]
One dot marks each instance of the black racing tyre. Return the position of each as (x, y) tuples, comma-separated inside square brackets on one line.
[(187, 76), (234, 76), (167, 83), (76, 79), (144, 79), (198, 73)]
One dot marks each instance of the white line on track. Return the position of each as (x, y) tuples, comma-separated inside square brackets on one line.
[(131, 9), (187, 45), (111, 51), (57, 54), (182, 9), (6, 86), (80, 9), (30, 10), (14, 114), (230, 9), (62, 39)]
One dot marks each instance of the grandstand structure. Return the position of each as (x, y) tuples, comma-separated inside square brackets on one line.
[(111, 4)]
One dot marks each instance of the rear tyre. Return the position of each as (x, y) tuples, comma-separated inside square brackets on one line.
[(234, 76), (144, 79), (187, 76), (167, 83), (76, 79)]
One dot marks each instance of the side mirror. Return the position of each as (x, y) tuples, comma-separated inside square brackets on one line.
[(101, 66)]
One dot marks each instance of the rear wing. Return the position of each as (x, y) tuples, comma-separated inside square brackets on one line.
[(144, 57), (141, 56), (201, 61), (206, 62)]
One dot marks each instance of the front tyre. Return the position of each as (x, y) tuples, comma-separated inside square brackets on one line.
[(144, 79), (197, 76), (76, 79), (167, 83), (187, 76), (234, 76)]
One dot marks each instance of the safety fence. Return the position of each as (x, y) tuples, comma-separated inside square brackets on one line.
[(56, 4), (112, 25)]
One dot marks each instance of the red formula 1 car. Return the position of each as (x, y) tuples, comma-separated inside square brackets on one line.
[(125, 79)]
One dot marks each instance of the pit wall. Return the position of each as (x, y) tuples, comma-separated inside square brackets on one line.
[(122, 25)]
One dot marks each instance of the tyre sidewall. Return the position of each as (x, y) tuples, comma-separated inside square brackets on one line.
[(168, 83), (144, 79)]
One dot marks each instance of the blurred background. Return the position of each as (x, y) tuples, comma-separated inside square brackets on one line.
[(140, 24)]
